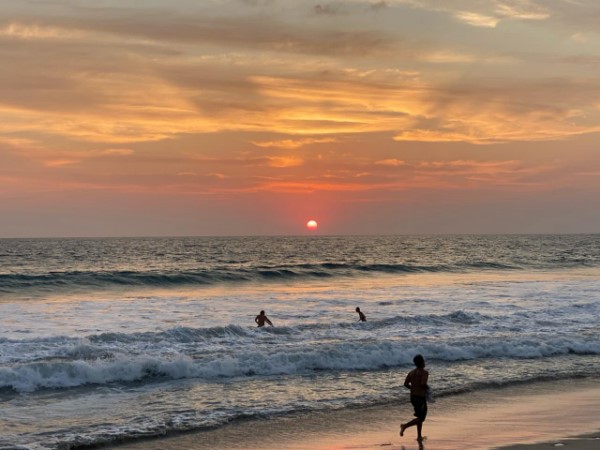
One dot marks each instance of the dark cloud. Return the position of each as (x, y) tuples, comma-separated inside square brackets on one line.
[(379, 5), (552, 96), (589, 61), (330, 9), (338, 8), (257, 2), (242, 32), (583, 15)]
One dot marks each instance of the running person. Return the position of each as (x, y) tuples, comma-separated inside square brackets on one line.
[(416, 381)]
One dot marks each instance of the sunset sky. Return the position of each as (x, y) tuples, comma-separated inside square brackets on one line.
[(236, 117)]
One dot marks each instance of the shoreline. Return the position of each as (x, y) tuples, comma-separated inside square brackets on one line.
[(582, 442), (525, 417)]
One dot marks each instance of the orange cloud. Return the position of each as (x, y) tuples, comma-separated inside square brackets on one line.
[(284, 161), (117, 151), (60, 162), (391, 162), (293, 143)]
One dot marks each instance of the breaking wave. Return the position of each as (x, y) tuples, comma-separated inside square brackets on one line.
[(94, 366)]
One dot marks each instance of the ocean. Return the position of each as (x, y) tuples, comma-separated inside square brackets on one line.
[(112, 340)]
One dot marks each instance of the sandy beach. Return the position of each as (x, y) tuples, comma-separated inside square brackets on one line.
[(544, 415)]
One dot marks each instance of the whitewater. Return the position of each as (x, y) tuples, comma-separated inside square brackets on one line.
[(109, 340)]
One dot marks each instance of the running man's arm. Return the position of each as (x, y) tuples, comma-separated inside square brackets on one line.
[(407, 382), (268, 321)]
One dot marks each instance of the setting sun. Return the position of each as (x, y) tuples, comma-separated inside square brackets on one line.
[(312, 225)]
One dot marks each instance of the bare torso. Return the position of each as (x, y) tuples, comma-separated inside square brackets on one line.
[(417, 381)]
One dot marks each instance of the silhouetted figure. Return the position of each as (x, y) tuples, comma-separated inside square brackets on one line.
[(261, 319), (416, 381), (361, 316)]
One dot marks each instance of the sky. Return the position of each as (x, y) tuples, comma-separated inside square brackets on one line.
[(250, 117)]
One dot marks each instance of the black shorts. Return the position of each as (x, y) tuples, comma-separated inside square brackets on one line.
[(420, 405)]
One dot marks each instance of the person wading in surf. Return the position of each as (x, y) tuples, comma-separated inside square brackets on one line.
[(361, 316), (261, 319), (416, 381)]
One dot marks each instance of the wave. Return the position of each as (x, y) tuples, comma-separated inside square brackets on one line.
[(11, 282), (185, 335), (177, 335), (183, 423), (360, 355)]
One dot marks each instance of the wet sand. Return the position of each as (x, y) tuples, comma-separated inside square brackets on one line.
[(544, 414), (586, 442)]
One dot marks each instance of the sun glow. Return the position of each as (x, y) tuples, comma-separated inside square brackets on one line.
[(312, 225)]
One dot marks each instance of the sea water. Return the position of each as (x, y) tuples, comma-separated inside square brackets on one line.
[(109, 340)]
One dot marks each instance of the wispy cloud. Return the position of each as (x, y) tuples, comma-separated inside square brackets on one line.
[(293, 143), (32, 31), (284, 161), (522, 10), (60, 162), (477, 19), (117, 151), (391, 162)]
